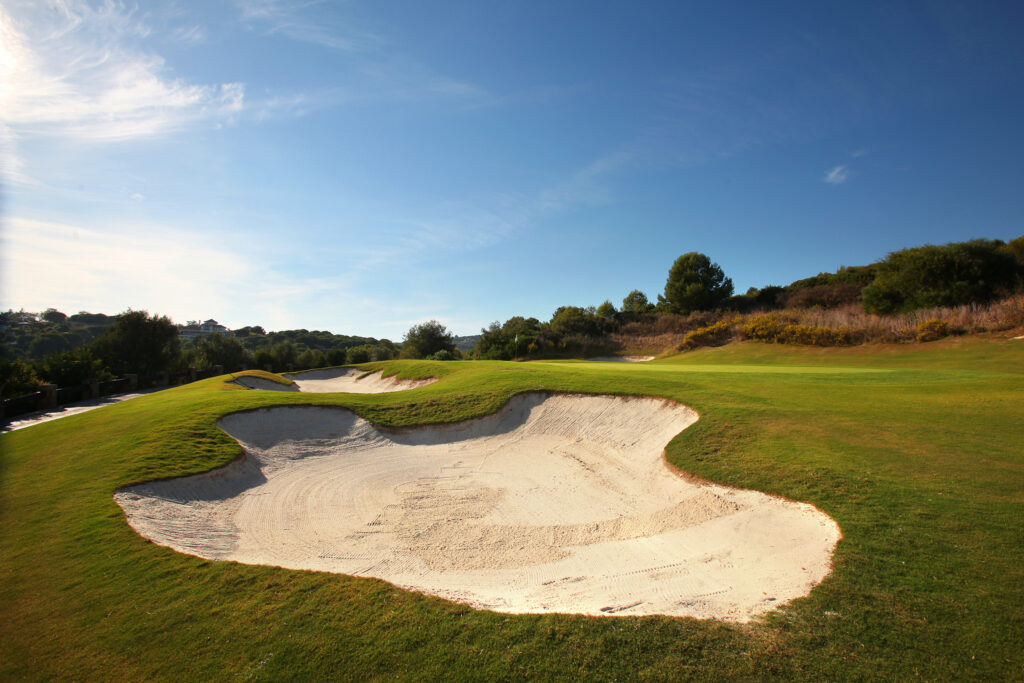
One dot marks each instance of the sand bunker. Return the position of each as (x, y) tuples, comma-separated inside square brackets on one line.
[(621, 359), (336, 380), (554, 504)]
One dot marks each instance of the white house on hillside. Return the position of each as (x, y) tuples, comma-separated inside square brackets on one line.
[(194, 329)]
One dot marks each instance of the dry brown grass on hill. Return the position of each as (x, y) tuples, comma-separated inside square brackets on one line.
[(841, 326), (1005, 314), (646, 345)]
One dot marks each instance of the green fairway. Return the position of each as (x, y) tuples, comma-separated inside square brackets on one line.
[(916, 451)]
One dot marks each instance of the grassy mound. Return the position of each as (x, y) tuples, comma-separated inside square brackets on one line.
[(914, 451)]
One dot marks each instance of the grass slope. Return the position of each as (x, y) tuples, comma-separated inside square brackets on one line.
[(916, 452)]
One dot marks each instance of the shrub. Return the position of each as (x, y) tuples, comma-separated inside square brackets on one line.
[(779, 328), (826, 296), (768, 327), (71, 368), (17, 378), (809, 335), (949, 275), (933, 329), (713, 335)]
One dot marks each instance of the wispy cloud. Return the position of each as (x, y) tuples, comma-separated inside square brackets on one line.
[(12, 165), (75, 71), (190, 34), (589, 185), (288, 18), (838, 175), (475, 223), (376, 69)]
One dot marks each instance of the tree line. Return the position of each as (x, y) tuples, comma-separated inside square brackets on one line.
[(69, 350), (53, 347), (973, 272)]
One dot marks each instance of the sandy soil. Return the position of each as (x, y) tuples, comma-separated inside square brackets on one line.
[(554, 504), (621, 359), (336, 380)]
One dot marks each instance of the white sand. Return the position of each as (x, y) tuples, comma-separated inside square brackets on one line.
[(554, 504), (621, 359), (336, 380)]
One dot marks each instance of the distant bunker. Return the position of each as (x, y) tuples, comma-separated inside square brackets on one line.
[(336, 380), (556, 503)]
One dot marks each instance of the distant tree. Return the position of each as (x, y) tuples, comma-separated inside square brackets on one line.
[(636, 302), (385, 350), (52, 315), (286, 355), (336, 357), (220, 349), (47, 344), (822, 296), (71, 368), (767, 297), (86, 318), (263, 359), (359, 354), (695, 284), (311, 358), (606, 311), (426, 339), (517, 324), (573, 320), (508, 341), (1016, 247), (249, 331), (494, 343), (139, 343)]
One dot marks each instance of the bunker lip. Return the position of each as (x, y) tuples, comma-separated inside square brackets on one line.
[(336, 380), (555, 503)]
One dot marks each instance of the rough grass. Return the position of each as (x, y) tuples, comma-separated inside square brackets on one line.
[(839, 326), (914, 450)]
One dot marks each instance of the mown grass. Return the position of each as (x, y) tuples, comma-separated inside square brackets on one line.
[(916, 452)]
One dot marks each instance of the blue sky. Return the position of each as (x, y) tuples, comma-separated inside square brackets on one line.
[(364, 166)]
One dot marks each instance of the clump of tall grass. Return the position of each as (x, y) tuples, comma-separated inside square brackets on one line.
[(1005, 314)]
